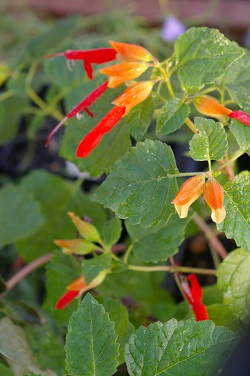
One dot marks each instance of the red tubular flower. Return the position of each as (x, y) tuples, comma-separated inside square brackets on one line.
[(77, 288), (97, 56), (240, 116), (189, 192), (193, 294), (81, 106), (214, 196), (91, 140)]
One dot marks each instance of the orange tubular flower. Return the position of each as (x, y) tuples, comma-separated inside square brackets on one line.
[(209, 106), (134, 95), (193, 294), (77, 288), (123, 72), (214, 196), (190, 191), (132, 51)]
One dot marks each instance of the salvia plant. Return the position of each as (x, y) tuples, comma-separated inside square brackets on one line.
[(109, 251)]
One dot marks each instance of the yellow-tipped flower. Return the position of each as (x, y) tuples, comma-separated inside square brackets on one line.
[(210, 107), (189, 192), (120, 73), (132, 51), (133, 95), (214, 196)]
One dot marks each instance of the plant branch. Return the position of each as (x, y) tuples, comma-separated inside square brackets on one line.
[(210, 235), (27, 269), (172, 269)]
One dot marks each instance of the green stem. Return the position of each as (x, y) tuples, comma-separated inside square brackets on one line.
[(236, 155), (127, 253), (40, 103), (190, 125), (172, 269), (6, 95)]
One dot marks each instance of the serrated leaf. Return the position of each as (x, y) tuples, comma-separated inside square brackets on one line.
[(202, 55), (141, 185), (123, 328), (111, 231), (241, 132), (153, 244), (211, 141), (237, 81), (92, 267), (236, 225), (139, 118), (91, 347), (61, 271), (56, 197), (234, 281), (179, 348), (172, 116), (42, 43), (20, 214)]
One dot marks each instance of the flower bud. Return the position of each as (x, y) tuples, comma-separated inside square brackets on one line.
[(209, 106), (86, 230), (189, 192), (214, 196)]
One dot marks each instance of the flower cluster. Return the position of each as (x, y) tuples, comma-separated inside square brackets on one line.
[(133, 60), (193, 294), (192, 189)]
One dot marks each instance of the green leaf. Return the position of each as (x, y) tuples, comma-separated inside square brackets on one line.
[(92, 267), (237, 80), (211, 141), (236, 225), (91, 348), (123, 328), (144, 293), (234, 281), (221, 316), (5, 371), (202, 55), (172, 116), (18, 84), (20, 214), (56, 197), (141, 185), (16, 351), (139, 118), (111, 231), (10, 113), (241, 132), (44, 341), (61, 271), (179, 348), (153, 244), (52, 38)]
